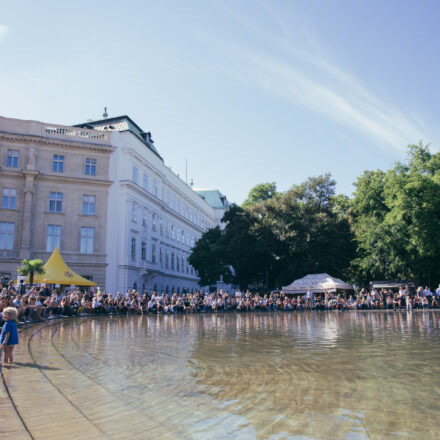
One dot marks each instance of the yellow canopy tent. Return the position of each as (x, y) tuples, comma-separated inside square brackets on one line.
[(56, 271)]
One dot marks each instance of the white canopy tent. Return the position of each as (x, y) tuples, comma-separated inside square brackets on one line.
[(317, 283)]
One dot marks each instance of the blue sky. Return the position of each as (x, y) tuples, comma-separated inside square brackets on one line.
[(247, 91)]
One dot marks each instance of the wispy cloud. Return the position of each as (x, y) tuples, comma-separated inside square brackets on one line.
[(341, 101), (296, 66), (3, 31)]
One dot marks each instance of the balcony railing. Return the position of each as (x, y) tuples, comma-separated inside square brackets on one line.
[(36, 128), (9, 255), (75, 132)]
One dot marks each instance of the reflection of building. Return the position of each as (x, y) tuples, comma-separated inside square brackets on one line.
[(54, 184), (154, 217)]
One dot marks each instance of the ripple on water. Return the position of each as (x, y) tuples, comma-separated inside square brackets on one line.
[(232, 376)]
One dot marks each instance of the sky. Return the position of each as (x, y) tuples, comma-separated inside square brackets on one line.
[(247, 91)]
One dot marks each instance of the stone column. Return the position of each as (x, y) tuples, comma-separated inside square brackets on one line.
[(27, 223)]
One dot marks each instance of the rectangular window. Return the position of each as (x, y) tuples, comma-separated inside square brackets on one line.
[(88, 206), (143, 250), (178, 264), (167, 260), (161, 229), (9, 198), (87, 239), (53, 237), (172, 260), (144, 217), (7, 235), (153, 253), (133, 248), (155, 187), (172, 232), (134, 212), (90, 168), (58, 163), (145, 182), (167, 200), (135, 174), (154, 226), (12, 159), (178, 206), (55, 202), (161, 257)]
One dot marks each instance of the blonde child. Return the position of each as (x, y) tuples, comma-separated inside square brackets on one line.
[(9, 334)]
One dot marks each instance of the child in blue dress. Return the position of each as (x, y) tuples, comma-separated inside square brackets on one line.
[(9, 334)]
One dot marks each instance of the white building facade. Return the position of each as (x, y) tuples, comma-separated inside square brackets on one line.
[(154, 218)]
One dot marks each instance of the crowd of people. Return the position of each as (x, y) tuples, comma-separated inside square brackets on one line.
[(41, 303)]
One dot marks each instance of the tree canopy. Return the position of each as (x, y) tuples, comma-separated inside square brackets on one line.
[(395, 216), (388, 229), (30, 268), (279, 236), (260, 193)]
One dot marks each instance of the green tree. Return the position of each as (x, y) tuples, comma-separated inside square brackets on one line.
[(209, 258), (395, 217), (278, 238), (30, 268), (250, 247), (312, 228), (260, 193)]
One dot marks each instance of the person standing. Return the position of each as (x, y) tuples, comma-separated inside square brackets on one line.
[(22, 288), (9, 334)]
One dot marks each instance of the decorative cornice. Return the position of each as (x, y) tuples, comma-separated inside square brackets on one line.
[(71, 179), (28, 138), (30, 172)]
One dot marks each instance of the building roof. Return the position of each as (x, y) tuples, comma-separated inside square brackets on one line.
[(122, 123), (213, 197)]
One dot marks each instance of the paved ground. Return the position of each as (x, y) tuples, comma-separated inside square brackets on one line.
[(36, 400)]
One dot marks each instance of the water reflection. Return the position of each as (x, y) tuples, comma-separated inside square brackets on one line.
[(372, 375), (312, 375)]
